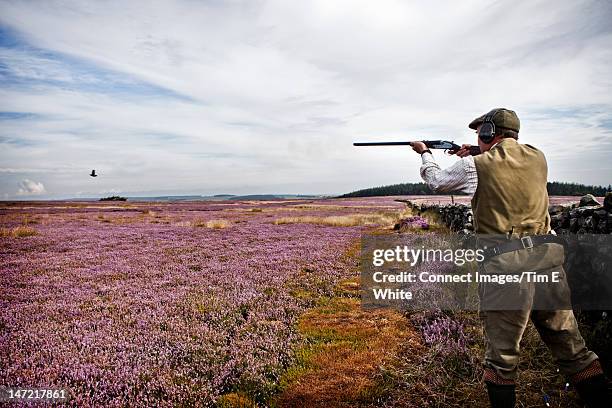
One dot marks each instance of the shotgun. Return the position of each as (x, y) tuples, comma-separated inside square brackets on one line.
[(445, 145)]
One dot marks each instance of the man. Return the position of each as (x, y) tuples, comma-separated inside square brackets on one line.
[(508, 183)]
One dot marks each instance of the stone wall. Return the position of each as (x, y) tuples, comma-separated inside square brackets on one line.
[(586, 216)]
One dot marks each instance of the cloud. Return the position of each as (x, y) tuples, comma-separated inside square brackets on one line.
[(248, 97), (29, 187)]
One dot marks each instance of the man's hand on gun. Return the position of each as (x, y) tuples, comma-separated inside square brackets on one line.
[(464, 151), (419, 147)]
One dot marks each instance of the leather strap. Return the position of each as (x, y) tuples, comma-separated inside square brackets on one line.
[(526, 242)]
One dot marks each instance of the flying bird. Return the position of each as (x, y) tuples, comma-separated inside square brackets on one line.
[(93, 173)]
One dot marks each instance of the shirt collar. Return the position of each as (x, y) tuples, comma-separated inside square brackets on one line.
[(501, 141)]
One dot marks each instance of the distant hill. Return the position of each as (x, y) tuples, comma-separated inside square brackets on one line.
[(224, 197), (171, 198), (393, 190), (257, 197), (554, 188), (272, 196)]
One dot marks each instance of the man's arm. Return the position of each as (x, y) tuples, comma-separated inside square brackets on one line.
[(461, 176)]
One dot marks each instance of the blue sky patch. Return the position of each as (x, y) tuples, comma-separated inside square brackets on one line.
[(25, 66), (16, 115)]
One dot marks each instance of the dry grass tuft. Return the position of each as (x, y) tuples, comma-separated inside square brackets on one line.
[(18, 232), (235, 400), (214, 224), (338, 207), (351, 220), (102, 218), (218, 224), (27, 219), (150, 213), (196, 223), (347, 347)]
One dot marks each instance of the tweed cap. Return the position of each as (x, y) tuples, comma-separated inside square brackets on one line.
[(504, 118)]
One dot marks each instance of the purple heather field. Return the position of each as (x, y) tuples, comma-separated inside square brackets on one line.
[(155, 303), (179, 303)]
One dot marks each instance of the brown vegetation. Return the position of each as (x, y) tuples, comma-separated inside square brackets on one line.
[(17, 232), (347, 351), (214, 224), (235, 400), (351, 220)]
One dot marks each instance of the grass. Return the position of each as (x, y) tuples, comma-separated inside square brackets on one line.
[(235, 400), (346, 349), (337, 207), (150, 213), (383, 219), (214, 224), (217, 224), (27, 219), (18, 232), (102, 218)]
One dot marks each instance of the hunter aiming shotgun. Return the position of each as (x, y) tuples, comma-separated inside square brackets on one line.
[(508, 185), (445, 145)]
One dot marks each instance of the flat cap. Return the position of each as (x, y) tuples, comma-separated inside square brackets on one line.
[(504, 118)]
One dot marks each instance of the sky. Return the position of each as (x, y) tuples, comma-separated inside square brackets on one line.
[(212, 97)]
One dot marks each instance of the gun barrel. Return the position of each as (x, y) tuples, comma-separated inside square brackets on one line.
[(382, 144), (450, 147)]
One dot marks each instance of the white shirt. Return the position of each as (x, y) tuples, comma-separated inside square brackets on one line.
[(461, 176)]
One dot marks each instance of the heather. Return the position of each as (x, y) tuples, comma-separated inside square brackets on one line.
[(230, 304), (136, 305), (411, 223)]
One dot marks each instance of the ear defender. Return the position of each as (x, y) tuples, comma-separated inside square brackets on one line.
[(487, 129)]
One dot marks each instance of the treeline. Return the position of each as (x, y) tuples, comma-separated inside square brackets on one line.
[(113, 198), (394, 190), (575, 189), (554, 188)]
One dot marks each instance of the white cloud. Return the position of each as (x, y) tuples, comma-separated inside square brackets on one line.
[(29, 187), (273, 93)]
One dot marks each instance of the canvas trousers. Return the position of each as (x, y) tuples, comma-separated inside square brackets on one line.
[(557, 328), (506, 310)]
